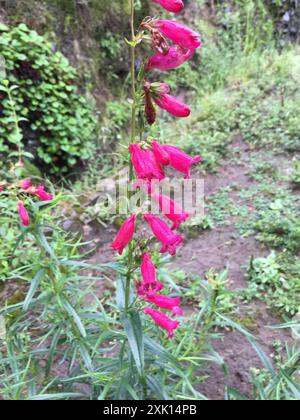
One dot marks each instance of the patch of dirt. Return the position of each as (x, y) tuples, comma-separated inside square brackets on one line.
[(218, 249), (12, 291)]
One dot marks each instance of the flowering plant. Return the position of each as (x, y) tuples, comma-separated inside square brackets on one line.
[(20, 189), (174, 43)]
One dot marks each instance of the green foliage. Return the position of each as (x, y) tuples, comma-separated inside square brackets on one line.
[(64, 334), (275, 220), (208, 130), (296, 174), (110, 46), (109, 155), (15, 136), (85, 337), (19, 251), (264, 170), (276, 280), (213, 288), (286, 18), (247, 24), (279, 227), (196, 225), (272, 121), (221, 207), (254, 96), (278, 380), (58, 123)]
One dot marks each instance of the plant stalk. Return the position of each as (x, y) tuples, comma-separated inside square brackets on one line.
[(133, 133), (133, 75)]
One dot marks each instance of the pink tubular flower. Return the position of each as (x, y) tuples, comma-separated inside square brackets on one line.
[(164, 234), (171, 210), (25, 184), (145, 164), (125, 234), (162, 87), (23, 214), (179, 160), (160, 154), (166, 302), (174, 6), (163, 320), (170, 61), (179, 34), (42, 194), (150, 283), (172, 105)]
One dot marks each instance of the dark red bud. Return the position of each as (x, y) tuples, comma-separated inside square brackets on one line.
[(150, 111)]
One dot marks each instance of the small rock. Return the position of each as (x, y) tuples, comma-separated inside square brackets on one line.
[(286, 17)]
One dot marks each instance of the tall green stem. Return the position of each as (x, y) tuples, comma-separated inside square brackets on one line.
[(133, 126)]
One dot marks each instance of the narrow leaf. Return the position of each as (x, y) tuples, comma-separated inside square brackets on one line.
[(33, 288)]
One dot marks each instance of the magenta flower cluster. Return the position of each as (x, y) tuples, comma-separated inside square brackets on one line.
[(150, 159)]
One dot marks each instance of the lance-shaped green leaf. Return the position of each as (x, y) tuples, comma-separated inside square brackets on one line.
[(33, 288), (133, 329)]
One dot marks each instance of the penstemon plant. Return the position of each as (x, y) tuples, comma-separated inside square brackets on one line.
[(174, 43)]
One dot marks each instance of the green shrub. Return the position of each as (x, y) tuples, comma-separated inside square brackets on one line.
[(59, 122), (296, 174), (247, 23), (279, 227)]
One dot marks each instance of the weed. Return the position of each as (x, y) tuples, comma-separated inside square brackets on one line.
[(275, 279)]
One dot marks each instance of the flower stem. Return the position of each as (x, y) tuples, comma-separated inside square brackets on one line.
[(133, 76), (133, 126)]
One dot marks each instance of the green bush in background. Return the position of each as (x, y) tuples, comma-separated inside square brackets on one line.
[(59, 123)]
